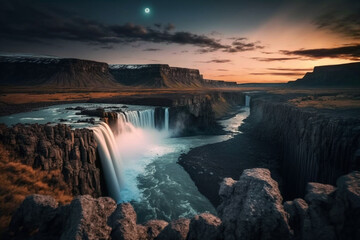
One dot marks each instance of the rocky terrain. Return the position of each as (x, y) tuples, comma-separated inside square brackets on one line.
[(316, 145), (54, 72), (251, 208), (343, 75), (72, 152)]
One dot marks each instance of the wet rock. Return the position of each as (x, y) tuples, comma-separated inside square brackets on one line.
[(204, 227), (254, 209), (176, 230), (317, 192)]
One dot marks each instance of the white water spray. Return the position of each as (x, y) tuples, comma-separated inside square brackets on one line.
[(122, 148)]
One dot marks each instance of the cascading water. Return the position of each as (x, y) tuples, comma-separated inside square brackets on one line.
[(166, 119), (121, 147), (247, 101), (138, 159), (110, 158)]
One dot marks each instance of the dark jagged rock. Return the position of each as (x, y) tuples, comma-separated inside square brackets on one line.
[(176, 230), (54, 72), (33, 215), (123, 223), (151, 229), (343, 75), (252, 207), (204, 227), (86, 218), (317, 146), (72, 152)]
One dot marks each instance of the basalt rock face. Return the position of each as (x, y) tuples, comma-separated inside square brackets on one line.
[(73, 152), (54, 72), (316, 146), (251, 209), (199, 113), (156, 76), (343, 75)]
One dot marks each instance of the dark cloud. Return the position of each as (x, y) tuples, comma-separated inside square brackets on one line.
[(277, 59), (169, 27), (239, 45), (152, 49), (222, 70), (350, 52), (219, 61), (347, 24), (27, 23), (278, 73)]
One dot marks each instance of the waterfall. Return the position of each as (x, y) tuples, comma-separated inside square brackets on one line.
[(247, 101), (127, 134), (110, 158), (166, 119)]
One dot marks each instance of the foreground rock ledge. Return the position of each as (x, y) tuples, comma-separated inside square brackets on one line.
[(251, 208)]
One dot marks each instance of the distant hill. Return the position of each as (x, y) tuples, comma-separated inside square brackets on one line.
[(54, 72), (23, 70), (343, 75), (156, 76)]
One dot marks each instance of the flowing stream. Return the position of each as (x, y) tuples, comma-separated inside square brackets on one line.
[(139, 159)]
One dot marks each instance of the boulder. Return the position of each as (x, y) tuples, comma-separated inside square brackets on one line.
[(32, 215), (176, 230), (253, 208), (87, 218), (123, 223), (204, 227)]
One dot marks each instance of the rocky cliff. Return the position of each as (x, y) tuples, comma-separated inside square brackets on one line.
[(343, 75), (46, 147), (316, 146), (156, 76), (198, 113), (251, 208), (54, 72)]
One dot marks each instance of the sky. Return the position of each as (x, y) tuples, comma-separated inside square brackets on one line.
[(242, 41)]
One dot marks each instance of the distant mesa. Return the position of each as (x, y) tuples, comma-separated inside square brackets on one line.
[(343, 75), (55, 72)]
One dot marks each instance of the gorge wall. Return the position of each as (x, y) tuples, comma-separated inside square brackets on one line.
[(316, 146), (46, 147)]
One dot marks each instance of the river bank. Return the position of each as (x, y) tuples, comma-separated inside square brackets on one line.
[(208, 165)]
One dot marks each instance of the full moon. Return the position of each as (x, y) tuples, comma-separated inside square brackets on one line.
[(147, 10)]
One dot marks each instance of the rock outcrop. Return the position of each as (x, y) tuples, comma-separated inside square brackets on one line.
[(251, 209), (54, 72), (199, 113), (317, 146), (46, 147), (343, 75)]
